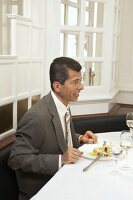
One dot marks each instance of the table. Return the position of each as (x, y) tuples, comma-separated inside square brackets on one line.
[(71, 183)]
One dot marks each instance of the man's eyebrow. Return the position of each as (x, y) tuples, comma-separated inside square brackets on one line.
[(78, 79)]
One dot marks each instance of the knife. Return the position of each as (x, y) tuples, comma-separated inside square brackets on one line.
[(97, 158)]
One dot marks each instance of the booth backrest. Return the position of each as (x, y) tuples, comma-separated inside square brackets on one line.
[(100, 124), (8, 182)]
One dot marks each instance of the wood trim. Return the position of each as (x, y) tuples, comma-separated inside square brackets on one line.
[(123, 109), (89, 116), (7, 140), (114, 109), (126, 105)]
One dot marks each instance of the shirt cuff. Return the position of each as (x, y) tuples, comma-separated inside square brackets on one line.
[(60, 165), (81, 142), (80, 137)]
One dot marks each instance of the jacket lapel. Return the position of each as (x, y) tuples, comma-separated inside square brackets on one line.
[(56, 123)]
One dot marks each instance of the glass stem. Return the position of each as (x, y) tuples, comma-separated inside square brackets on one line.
[(126, 150), (131, 132), (116, 161)]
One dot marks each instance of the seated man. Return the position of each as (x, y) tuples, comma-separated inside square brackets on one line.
[(45, 139)]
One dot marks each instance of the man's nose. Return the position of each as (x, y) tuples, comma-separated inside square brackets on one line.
[(81, 87)]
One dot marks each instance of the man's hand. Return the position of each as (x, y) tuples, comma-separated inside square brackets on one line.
[(72, 155), (88, 138)]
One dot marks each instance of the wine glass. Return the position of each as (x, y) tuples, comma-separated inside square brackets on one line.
[(126, 143), (116, 152), (129, 122)]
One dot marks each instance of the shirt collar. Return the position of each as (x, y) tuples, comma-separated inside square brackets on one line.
[(61, 108)]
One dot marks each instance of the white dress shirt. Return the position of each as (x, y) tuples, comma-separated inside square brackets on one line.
[(62, 109)]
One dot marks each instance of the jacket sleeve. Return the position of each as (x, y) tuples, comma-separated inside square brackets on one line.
[(25, 154)]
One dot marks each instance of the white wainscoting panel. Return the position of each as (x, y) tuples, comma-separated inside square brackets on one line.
[(125, 97), (6, 80), (23, 40), (36, 44), (37, 10), (22, 78), (86, 108), (36, 76)]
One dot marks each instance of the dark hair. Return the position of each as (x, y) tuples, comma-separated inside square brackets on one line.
[(59, 69)]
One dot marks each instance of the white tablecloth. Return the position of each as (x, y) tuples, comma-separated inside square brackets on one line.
[(71, 183)]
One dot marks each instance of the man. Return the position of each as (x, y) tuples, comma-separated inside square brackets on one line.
[(41, 147)]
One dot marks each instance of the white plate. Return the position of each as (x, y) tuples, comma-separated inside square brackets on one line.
[(88, 148)]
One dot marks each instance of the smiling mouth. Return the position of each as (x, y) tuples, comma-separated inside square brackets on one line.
[(77, 94)]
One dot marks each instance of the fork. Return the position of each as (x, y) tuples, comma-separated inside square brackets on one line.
[(97, 158)]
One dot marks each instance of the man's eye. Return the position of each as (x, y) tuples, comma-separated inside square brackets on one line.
[(74, 82)]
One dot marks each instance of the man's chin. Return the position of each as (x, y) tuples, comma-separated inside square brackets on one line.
[(74, 99)]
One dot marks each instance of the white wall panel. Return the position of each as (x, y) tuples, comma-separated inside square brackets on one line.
[(23, 40), (36, 43), (126, 55), (86, 108), (36, 76), (52, 43), (22, 78), (6, 81), (22, 73), (126, 48), (125, 97), (37, 11)]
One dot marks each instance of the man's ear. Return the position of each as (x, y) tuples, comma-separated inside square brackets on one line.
[(56, 86)]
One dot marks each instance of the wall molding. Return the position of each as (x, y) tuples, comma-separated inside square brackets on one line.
[(7, 140), (125, 97)]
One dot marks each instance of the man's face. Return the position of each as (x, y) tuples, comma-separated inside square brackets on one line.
[(71, 88)]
